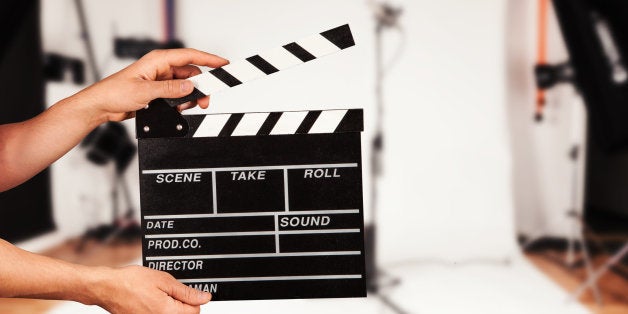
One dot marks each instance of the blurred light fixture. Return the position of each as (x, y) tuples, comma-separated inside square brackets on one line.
[(110, 142)]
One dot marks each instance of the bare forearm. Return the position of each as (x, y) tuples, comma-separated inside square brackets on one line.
[(28, 147), (24, 274), (131, 289)]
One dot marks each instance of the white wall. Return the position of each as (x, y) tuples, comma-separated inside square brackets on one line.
[(447, 188)]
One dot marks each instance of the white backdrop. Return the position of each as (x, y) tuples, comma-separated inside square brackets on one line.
[(446, 192)]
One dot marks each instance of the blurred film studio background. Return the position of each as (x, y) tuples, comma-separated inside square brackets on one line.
[(495, 144)]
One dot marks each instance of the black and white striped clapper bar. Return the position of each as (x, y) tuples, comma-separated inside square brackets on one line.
[(262, 205), (263, 64)]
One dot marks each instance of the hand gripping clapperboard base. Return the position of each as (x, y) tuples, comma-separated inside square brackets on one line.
[(264, 205)]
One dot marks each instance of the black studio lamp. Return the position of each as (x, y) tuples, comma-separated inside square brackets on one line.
[(110, 142)]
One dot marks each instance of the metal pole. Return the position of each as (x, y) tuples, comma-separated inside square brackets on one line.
[(87, 40), (376, 149)]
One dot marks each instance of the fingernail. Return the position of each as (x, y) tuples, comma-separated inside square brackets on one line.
[(186, 86)]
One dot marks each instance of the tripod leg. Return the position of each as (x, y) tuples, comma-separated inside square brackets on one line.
[(575, 235), (127, 197), (587, 262), (391, 305), (593, 278), (115, 199)]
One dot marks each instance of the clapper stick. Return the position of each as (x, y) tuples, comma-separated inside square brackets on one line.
[(260, 65), (159, 119)]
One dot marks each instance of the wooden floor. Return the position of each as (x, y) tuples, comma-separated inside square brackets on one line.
[(614, 288)]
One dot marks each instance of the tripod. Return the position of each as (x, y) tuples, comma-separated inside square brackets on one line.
[(123, 226), (386, 17)]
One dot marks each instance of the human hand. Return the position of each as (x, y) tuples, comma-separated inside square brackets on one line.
[(158, 74), (136, 289)]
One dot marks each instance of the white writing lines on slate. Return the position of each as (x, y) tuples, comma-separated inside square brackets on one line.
[(251, 255), (156, 171), (255, 214), (247, 233), (275, 278)]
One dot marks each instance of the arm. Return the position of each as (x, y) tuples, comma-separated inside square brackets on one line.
[(125, 290), (28, 147)]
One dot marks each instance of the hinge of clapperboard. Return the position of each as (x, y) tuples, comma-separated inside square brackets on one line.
[(162, 119)]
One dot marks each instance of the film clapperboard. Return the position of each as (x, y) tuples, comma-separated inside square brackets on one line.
[(262, 205)]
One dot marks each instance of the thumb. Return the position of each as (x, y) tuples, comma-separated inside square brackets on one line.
[(188, 295), (170, 88)]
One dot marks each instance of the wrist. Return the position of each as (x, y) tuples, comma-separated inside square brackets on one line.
[(85, 107), (95, 285)]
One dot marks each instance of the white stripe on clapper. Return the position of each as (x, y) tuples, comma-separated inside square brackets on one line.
[(250, 124), (318, 45), (207, 83), (280, 58), (289, 122), (212, 125), (243, 71), (328, 121)]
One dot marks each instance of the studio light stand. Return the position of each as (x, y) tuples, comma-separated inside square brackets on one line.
[(108, 143), (386, 17), (111, 143), (578, 224), (548, 76)]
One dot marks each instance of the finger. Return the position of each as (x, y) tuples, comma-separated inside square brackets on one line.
[(203, 102), (185, 56), (188, 295), (186, 106), (176, 306), (167, 88), (185, 71), (189, 309), (179, 72), (129, 115)]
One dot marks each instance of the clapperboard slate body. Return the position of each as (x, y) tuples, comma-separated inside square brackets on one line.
[(263, 205)]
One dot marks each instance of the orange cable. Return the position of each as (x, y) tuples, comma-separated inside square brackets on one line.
[(541, 51)]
